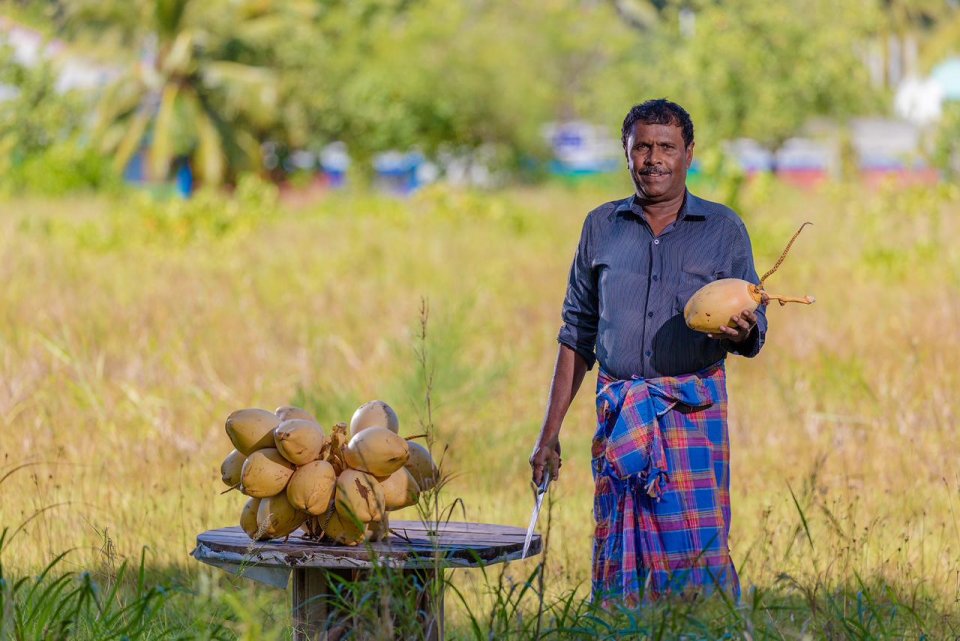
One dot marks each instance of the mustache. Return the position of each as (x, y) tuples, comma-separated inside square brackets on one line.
[(653, 171)]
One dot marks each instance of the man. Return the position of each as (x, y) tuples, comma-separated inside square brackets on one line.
[(660, 453)]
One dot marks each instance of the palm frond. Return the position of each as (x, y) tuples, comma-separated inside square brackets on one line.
[(129, 143), (161, 148), (211, 161)]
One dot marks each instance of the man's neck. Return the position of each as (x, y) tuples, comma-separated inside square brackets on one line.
[(659, 215)]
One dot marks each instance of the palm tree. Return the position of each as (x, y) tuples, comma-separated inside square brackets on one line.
[(943, 40), (202, 88), (910, 23)]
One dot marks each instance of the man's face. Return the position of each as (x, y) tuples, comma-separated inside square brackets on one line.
[(658, 161)]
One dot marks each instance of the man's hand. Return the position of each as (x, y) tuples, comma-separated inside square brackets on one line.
[(745, 322), (546, 456)]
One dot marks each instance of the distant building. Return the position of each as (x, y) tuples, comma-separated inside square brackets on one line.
[(947, 76), (890, 149), (883, 148), (582, 148), (921, 100)]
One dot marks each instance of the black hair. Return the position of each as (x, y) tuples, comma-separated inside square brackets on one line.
[(658, 112)]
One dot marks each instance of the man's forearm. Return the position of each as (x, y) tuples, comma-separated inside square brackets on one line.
[(567, 377)]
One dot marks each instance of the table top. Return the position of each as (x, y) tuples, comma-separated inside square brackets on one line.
[(410, 545)]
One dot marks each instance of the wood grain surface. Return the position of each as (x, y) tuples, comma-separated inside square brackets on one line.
[(410, 545)]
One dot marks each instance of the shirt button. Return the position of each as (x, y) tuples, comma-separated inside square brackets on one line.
[(649, 314), (648, 353), (655, 278), (656, 241)]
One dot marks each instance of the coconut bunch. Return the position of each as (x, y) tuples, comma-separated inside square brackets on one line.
[(337, 486)]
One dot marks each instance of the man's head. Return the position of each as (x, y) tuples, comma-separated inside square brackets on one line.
[(658, 143)]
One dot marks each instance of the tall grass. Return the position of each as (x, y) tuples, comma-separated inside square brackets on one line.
[(124, 345)]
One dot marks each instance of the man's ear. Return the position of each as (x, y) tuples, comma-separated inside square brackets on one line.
[(690, 154)]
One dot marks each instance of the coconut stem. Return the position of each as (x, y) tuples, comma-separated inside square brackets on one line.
[(783, 300), (783, 255), (231, 488)]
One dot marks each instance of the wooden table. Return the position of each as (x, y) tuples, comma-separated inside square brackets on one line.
[(316, 569)]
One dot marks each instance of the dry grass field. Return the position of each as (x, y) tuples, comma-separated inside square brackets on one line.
[(129, 330)]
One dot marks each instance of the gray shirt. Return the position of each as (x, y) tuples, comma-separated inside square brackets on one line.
[(627, 288)]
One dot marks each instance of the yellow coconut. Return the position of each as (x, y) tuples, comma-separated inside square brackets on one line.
[(374, 414), (231, 467), (359, 496), (400, 490), (421, 466), (343, 529), (251, 429), (312, 486), (248, 518), (376, 450), (265, 473), (288, 412), (299, 440), (276, 517), (714, 305)]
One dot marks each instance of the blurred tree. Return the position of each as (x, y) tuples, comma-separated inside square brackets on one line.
[(34, 115), (946, 148), (901, 16), (899, 30), (43, 147), (639, 14), (943, 39), (203, 84), (751, 68), (437, 74), (214, 79)]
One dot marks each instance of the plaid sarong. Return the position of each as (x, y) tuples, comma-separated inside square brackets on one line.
[(662, 501)]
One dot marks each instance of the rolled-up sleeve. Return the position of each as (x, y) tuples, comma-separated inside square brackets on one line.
[(581, 304), (742, 267)]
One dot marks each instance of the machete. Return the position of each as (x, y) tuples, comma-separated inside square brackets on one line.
[(540, 492)]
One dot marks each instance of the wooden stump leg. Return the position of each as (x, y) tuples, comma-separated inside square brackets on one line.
[(429, 602), (315, 615)]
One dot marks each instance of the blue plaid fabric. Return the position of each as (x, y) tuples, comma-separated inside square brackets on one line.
[(662, 501)]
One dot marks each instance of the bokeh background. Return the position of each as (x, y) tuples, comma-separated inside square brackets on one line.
[(248, 203)]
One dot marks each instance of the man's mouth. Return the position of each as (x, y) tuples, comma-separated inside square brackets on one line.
[(654, 172)]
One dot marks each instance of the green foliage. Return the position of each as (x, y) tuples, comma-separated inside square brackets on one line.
[(213, 80), (437, 74), (69, 605), (40, 128), (209, 91), (163, 219), (208, 215), (760, 70), (946, 152), (60, 169), (37, 116)]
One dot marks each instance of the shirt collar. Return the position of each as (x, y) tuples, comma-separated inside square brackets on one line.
[(689, 210)]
